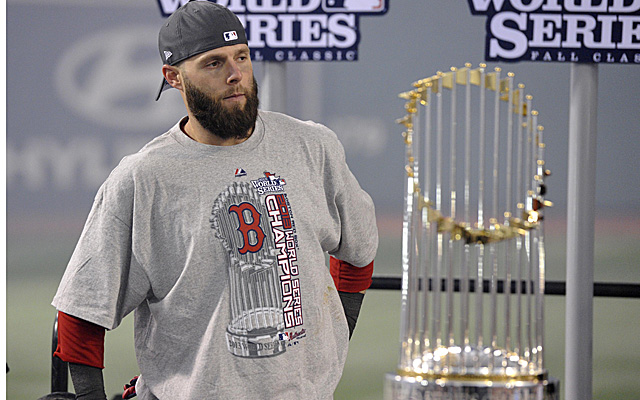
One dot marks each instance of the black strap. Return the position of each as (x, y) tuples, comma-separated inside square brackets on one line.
[(351, 303), (87, 382)]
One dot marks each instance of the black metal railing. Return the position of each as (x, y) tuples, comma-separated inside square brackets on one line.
[(59, 368), (558, 288)]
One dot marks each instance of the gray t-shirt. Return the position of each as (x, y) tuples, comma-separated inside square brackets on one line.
[(220, 250)]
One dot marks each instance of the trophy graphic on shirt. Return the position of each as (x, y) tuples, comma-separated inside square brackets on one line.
[(473, 255), (257, 326)]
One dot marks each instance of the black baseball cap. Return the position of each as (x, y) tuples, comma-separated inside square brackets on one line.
[(194, 28)]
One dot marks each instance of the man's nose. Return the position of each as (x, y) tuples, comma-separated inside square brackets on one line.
[(235, 74)]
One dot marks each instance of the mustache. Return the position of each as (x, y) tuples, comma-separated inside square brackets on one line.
[(238, 90)]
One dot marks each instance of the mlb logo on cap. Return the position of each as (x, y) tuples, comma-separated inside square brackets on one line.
[(231, 35)]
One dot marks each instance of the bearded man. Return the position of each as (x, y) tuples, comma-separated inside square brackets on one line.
[(215, 234)]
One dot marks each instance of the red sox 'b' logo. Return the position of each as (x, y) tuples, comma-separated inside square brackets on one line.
[(249, 221)]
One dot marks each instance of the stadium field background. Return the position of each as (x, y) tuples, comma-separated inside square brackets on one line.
[(33, 274)]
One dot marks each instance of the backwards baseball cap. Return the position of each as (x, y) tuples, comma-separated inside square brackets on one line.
[(195, 28)]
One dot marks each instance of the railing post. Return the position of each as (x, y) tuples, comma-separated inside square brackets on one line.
[(59, 368)]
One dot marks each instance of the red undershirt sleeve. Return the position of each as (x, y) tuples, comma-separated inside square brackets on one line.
[(349, 278), (80, 341)]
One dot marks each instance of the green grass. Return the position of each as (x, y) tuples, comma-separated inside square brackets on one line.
[(30, 320), (375, 344)]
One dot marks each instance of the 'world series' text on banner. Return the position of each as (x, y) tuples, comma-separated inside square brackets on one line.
[(587, 31), (299, 30)]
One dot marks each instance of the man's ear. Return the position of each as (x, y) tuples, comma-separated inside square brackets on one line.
[(172, 75)]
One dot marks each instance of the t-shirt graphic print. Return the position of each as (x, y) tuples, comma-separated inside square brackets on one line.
[(255, 224)]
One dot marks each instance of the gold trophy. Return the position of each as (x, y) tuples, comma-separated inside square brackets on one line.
[(473, 258)]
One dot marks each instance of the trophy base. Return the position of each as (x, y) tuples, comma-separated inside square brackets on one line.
[(256, 346), (399, 387)]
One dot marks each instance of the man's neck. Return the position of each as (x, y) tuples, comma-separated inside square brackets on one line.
[(192, 128)]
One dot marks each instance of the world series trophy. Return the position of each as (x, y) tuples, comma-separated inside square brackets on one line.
[(257, 324), (473, 258)]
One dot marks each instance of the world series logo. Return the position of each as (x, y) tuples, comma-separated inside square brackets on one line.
[(299, 30), (586, 31), (269, 183)]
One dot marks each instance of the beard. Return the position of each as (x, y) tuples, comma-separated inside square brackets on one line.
[(235, 122)]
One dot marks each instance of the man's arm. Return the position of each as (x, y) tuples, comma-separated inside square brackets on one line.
[(81, 344), (351, 282)]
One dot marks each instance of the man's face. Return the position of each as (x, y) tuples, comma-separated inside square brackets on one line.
[(221, 92)]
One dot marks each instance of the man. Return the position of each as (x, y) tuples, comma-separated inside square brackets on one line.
[(215, 233)]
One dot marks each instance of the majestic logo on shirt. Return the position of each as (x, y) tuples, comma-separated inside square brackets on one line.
[(293, 335), (270, 183), (240, 172), (260, 237)]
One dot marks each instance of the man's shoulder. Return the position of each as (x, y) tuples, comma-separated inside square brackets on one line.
[(158, 147), (287, 124), (150, 157)]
